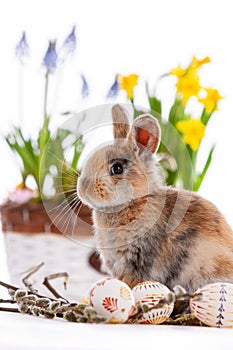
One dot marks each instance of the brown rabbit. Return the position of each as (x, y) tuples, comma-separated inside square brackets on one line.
[(144, 229)]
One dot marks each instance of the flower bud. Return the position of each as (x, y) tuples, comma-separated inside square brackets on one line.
[(43, 303), (35, 310), (19, 294), (50, 58), (24, 308)]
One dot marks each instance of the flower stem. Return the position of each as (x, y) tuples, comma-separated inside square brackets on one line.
[(194, 164), (46, 93), (20, 94)]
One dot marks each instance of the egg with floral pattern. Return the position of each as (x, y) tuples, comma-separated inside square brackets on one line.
[(149, 293), (215, 307), (112, 299)]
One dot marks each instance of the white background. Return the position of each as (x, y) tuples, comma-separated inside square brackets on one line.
[(144, 37)]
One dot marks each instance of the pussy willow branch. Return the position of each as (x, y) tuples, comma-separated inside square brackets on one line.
[(9, 309), (28, 284), (51, 288), (163, 302), (7, 301), (10, 286), (184, 320)]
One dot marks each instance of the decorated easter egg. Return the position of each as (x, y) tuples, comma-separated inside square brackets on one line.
[(150, 293), (112, 299), (215, 307)]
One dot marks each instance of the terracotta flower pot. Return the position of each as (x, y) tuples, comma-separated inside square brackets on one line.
[(32, 217)]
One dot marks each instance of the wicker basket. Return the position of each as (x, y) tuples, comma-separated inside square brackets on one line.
[(31, 238)]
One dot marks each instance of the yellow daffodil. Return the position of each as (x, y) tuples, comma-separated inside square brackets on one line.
[(193, 131), (188, 83), (178, 71), (196, 64), (210, 101), (128, 83)]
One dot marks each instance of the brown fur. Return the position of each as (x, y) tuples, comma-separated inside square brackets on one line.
[(120, 122), (146, 230)]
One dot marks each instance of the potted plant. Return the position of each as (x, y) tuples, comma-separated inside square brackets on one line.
[(182, 133), (27, 214)]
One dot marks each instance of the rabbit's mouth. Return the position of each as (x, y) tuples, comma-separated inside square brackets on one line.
[(83, 196), (102, 206)]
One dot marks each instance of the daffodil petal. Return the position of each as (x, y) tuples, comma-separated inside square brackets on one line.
[(193, 131)]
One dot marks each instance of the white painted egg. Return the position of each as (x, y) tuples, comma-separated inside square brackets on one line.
[(149, 293), (112, 299), (215, 308)]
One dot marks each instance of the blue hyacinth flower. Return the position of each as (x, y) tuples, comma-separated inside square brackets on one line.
[(114, 89), (50, 58), (69, 44), (22, 48), (85, 88)]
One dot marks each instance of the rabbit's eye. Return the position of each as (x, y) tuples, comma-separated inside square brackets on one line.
[(116, 168)]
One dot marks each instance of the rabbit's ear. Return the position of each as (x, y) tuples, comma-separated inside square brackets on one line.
[(145, 133), (120, 122)]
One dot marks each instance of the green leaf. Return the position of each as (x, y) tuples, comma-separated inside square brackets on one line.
[(201, 176), (137, 112), (54, 155), (205, 117), (176, 112), (26, 152), (44, 135), (78, 148), (172, 177), (69, 182), (173, 144), (155, 105)]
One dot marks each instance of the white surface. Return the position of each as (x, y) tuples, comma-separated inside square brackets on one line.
[(30, 333)]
